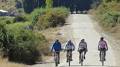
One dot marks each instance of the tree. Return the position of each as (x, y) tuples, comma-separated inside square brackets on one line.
[(28, 5), (4, 42), (49, 3)]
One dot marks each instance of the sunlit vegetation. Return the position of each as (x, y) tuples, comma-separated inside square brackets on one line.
[(50, 18), (19, 40), (108, 14)]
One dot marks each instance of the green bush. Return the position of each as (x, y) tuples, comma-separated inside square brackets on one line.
[(25, 44), (6, 20), (4, 44), (19, 19), (109, 17), (51, 18), (37, 12), (22, 45)]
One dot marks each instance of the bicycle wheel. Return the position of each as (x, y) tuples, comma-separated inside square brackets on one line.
[(69, 58), (69, 62), (82, 59), (56, 60), (102, 58), (56, 64), (102, 63)]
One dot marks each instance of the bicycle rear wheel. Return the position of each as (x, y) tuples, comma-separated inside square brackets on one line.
[(82, 58), (69, 62), (56, 60), (69, 58), (82, 62), (102, 63), (102, 58), (56, 64)]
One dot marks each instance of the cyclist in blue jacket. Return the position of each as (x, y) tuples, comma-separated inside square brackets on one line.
[(57, 48)]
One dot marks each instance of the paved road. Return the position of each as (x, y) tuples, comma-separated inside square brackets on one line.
[(82, 26)]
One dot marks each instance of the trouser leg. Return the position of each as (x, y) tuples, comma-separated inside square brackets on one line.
[(85, 53)]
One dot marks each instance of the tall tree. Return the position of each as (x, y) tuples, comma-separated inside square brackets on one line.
[(28, 5), (49, 3)]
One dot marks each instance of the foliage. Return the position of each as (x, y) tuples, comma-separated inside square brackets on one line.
[(109, 17), (22, 45), (19, 19), (37, 12), (6, 20), (49, 3), (29, 6), (50, 18)]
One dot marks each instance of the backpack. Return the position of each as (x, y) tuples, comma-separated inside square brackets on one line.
[(102, 44)]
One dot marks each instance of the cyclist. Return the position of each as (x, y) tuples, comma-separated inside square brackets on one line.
[(57, 48), (82, 47), (69, 47), (102, 46)]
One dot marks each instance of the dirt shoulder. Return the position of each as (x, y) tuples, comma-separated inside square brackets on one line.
[(5, 63)]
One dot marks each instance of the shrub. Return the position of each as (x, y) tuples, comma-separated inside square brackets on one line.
[(19, 19), (22, 45), (109, 17), (51, 18), (6, 20), (37, 12)]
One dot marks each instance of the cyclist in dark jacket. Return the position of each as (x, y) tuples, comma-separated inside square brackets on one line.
[(57, 48), (69, 47), (82, 47)]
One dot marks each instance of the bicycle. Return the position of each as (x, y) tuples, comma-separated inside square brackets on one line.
[(56, 59), (102, 56), (69, 57), (81, 58)]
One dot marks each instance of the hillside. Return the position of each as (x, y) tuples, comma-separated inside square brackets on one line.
[(108, 14), (7, 4)]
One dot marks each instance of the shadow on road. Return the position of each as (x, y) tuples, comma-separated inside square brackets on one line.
[(90, 66), (44, 62)]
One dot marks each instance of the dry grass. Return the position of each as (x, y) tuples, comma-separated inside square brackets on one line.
[(51, 34), (6, 63), (54, 33), (116, 32), (7, 4)]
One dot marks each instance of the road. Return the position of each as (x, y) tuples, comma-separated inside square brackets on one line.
[(82, 26)]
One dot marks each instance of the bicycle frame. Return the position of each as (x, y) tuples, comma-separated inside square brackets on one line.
[(102, 56), (81, 58), (69, 57)]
